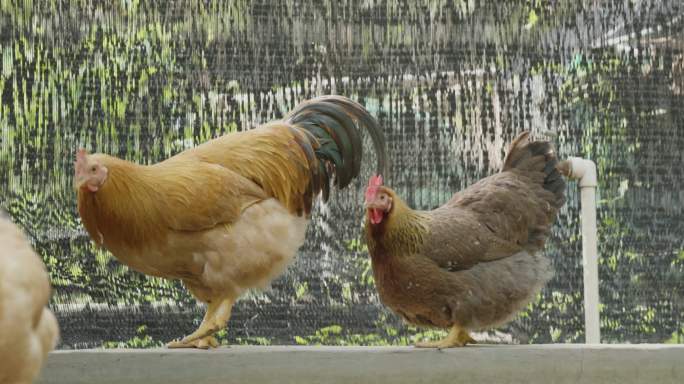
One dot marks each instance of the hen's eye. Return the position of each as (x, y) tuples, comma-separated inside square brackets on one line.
[(382, 197), (93, 168)]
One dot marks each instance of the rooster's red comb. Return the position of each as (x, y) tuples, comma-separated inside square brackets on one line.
[(81, 160), (81, 154), (373, 184)]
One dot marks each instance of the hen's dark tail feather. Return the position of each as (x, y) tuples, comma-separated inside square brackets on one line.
[(536, 156), (334, 123)]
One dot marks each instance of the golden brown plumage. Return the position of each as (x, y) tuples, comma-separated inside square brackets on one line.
[(229, 214), (28, 329), (474, 262)]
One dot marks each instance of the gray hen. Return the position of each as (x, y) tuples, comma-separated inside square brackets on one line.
[(474, 262)]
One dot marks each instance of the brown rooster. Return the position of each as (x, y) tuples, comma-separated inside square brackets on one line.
[(474, 262), (227, 215)]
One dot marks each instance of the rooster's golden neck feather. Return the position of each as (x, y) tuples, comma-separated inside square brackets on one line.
[(117, 211)]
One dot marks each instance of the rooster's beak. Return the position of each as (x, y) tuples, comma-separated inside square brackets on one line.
[(371, 205), (80, 183)]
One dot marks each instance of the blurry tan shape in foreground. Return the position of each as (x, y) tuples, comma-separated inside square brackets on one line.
[(28, 329)]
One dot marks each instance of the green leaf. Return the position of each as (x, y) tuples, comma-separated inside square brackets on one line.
[(532, 19)]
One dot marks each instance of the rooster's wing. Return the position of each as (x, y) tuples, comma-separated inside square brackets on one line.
[(203, 195)]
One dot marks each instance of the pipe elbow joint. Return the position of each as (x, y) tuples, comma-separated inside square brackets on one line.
[(584, 170)]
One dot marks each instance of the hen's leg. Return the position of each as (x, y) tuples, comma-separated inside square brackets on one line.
[(457, 337), (216, 318)]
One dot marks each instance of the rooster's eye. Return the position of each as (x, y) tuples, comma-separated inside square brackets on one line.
[(382, 197), (93, 168)]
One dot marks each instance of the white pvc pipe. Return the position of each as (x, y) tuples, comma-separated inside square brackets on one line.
[(585, 171)]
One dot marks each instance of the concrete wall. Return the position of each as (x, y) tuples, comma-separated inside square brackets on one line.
[(565, 363)]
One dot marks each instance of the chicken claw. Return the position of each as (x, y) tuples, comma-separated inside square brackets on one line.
[(202, 343), (457, 337), (216, 318)]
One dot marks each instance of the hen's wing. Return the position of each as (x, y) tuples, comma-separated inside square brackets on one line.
[(500, 215), (485, 222), (196, 195)]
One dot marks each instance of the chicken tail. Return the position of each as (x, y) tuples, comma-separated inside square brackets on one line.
[(334, 123), (538, 156)]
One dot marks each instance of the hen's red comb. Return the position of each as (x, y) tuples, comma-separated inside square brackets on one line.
[(373, 184)]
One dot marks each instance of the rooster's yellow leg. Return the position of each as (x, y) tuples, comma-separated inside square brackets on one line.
[(216, 318), (457, 337), (202, 343)]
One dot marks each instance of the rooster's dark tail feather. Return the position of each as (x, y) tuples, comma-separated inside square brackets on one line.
[(334, 122)]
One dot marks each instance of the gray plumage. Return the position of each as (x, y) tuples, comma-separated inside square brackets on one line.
[(476, 261)]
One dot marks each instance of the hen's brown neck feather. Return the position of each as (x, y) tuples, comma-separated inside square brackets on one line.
[(400, 233)]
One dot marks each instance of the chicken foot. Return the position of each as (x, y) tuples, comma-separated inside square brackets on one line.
[(457, 337), (216, 317), (202, 343)]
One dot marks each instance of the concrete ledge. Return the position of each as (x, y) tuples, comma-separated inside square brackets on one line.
[(564, 363)]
